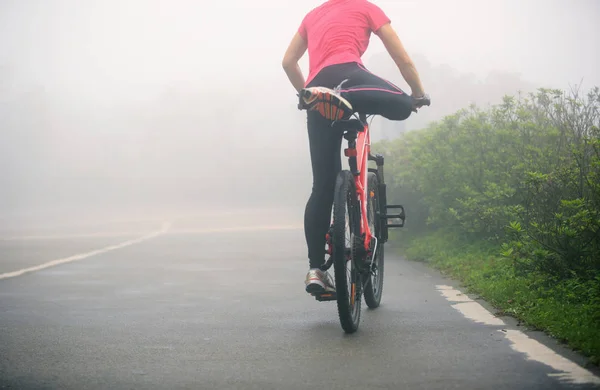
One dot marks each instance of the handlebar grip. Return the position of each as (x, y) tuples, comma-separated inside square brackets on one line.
[(424, 101)]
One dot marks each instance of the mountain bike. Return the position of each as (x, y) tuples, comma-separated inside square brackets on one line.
[(361, 218)]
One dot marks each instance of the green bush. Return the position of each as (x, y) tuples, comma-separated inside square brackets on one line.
[(525, 173), (519, 185)]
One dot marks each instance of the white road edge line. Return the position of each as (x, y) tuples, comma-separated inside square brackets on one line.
[(520, 342), (165, 227)]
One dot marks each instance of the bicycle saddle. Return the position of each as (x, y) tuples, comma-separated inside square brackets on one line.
[(348, 125)]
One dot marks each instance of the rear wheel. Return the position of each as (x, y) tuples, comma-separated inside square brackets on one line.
[(346, 225), (374, 283)]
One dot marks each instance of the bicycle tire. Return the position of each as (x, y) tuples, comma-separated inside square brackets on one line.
[(348, 291), (374, 284)]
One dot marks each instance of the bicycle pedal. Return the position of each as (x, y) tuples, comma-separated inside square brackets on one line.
[(325, 297), (401, 216)]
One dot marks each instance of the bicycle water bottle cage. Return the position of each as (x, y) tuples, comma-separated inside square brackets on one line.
[(348, 125)]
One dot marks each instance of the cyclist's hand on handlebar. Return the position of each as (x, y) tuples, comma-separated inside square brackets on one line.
[(419, 102)]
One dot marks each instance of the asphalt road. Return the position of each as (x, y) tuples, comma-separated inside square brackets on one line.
[(190, 308)]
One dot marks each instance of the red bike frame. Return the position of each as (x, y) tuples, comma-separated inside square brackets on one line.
[(362, 152)]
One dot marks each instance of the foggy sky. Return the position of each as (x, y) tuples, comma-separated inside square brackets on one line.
[(164, 89), (141, 44)]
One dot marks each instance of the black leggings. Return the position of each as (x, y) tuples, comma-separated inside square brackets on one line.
[(368, 94)]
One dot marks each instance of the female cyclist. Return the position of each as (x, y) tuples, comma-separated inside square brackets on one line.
[(336, 35)]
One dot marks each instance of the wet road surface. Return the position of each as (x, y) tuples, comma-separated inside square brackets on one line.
[(191, 308)]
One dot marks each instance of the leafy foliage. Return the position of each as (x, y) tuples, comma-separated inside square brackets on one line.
[(525, 173), (508, 200)]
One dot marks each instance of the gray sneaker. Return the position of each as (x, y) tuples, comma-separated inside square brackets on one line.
[(318, 282)]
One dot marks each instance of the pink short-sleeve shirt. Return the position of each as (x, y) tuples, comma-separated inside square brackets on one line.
[(338, 31)]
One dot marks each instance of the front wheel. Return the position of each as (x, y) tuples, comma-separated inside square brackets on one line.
[(374, 283), (346, 226)]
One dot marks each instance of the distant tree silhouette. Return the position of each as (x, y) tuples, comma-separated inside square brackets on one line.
[(450, 90)]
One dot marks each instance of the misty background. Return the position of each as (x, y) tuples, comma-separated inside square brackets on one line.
[(153, 108)]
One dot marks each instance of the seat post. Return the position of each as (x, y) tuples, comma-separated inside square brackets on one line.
[(350, 151)]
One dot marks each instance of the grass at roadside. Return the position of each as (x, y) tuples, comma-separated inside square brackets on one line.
[(568, 310)]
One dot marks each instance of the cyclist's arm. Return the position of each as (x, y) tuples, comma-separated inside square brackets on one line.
[(396, 50), (294, 52)]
